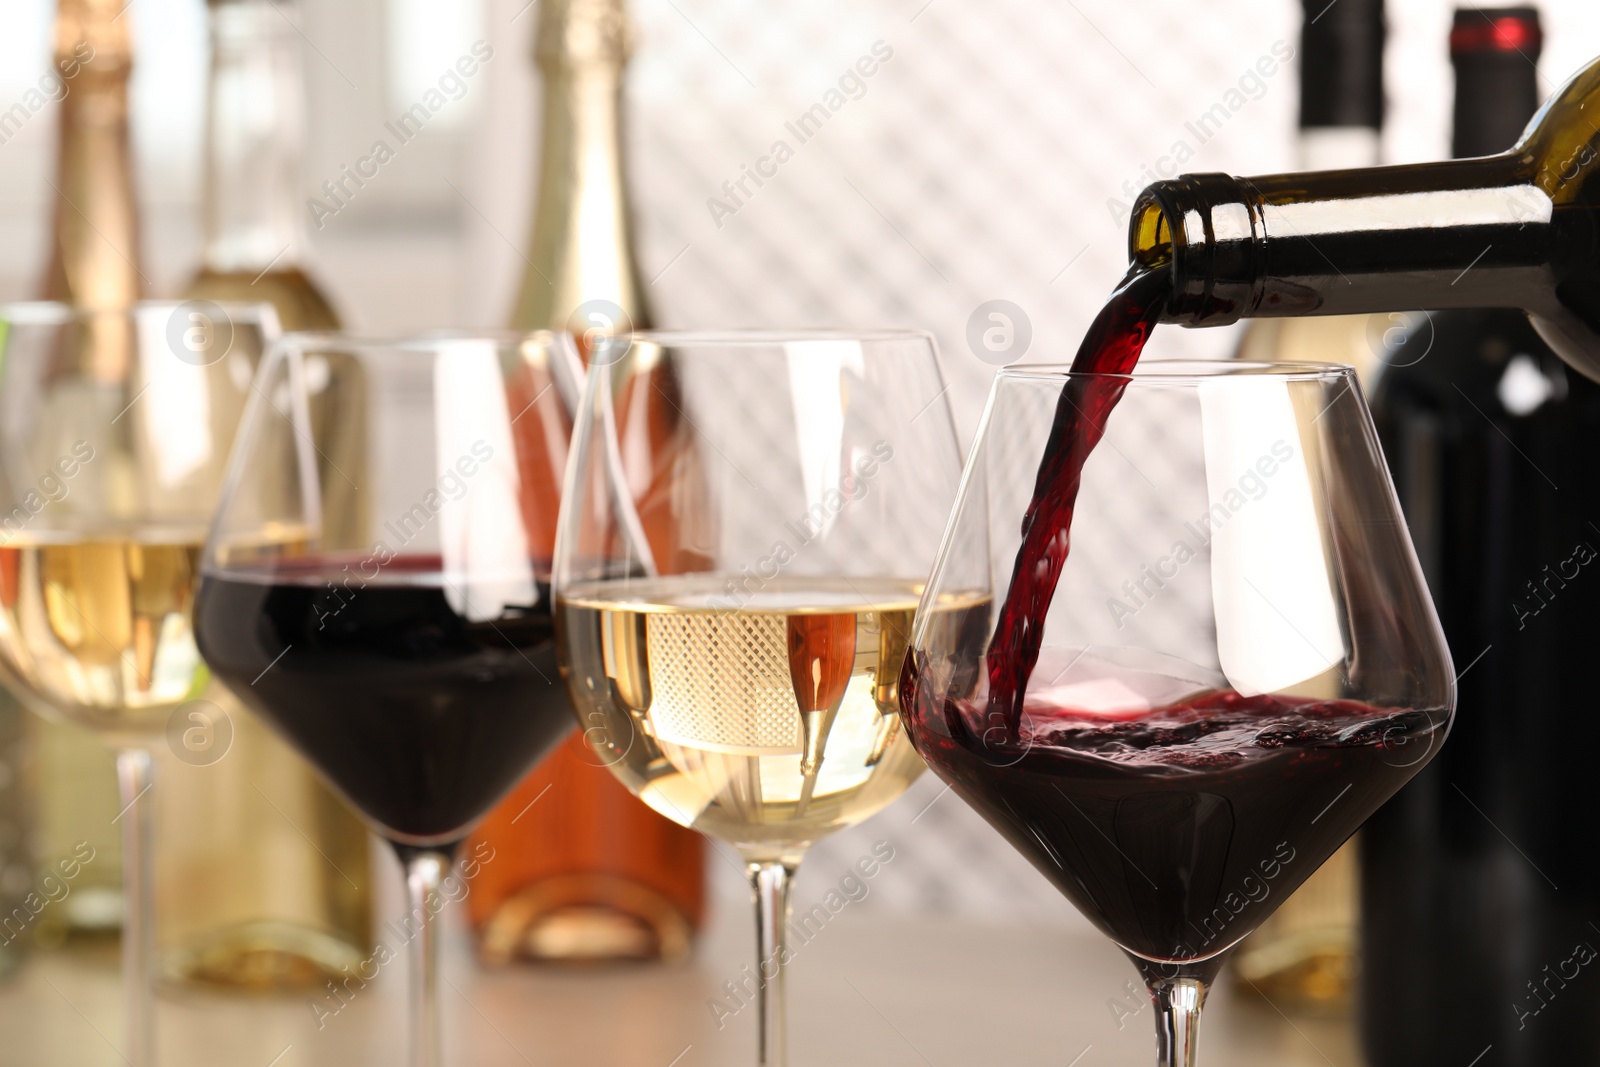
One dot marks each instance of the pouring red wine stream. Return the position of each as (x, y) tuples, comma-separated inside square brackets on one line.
[(1110, 348)]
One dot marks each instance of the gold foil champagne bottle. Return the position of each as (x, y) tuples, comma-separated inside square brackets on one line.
[(94, 251), (588, 872), (262, 874), (94, 262)]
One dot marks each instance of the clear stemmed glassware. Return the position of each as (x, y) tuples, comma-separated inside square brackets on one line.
[(375, 585), (748, 520), (1239, 664), (114, 432)]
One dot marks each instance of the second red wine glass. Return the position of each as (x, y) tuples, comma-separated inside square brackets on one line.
[(376, 586)]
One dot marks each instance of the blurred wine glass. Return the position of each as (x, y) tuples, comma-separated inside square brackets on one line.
[(114, 432)]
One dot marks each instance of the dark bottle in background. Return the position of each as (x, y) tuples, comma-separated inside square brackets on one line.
[(1481, 879)]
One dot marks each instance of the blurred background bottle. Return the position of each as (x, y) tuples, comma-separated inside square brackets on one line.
[(95, 253), (262, 874), (94, 262), (585, 871), (1304, 956), (253, 230), (1340, 126), (1481, 879)]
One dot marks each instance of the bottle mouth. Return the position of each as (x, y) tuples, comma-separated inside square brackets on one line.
[(1207, 230)]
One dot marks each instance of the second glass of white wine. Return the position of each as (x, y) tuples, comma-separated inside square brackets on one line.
[(732, 639), (114, 432)]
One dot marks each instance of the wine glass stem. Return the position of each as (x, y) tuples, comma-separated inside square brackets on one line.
[(135, 775), (770, 880), (425, 871), (1178, 1002)]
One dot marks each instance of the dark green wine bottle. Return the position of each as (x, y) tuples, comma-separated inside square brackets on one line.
[(1519, 229)]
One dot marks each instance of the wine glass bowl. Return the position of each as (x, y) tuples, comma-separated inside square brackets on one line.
[(376, 582), (702, 738), (747, 525), (114, 434), (1239, 663)]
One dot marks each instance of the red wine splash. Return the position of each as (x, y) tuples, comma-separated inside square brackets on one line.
[(1110, 348)]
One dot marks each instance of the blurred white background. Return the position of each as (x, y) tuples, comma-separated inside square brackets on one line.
[(979, 163)]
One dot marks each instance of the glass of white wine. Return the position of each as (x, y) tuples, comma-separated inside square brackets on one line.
[(747, 524), (114, 433)]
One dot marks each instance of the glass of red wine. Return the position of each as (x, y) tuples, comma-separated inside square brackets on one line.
[(1178, 720), (376, 586)]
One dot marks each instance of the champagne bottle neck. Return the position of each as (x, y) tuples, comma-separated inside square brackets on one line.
[(94, 33), (581, 255), (252, 140), (95, 232)]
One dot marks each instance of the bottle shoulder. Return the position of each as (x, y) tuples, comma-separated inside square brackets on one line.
[(299, 301), (1560, 150)]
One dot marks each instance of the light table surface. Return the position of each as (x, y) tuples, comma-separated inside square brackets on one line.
[(891, 992)]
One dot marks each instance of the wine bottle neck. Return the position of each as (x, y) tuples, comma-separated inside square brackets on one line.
[(1341, 83), (252, 139), (95, 233), (1514, 230), (1467, 233), (1497, 88), (582, 245)]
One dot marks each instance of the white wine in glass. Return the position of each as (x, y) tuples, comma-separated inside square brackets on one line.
[(114, 434), (736, 661), (767, 725), (98, 621)]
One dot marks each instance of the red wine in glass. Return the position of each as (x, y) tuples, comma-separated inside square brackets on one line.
[(420, 716), (1179, 830), (375, 586)]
